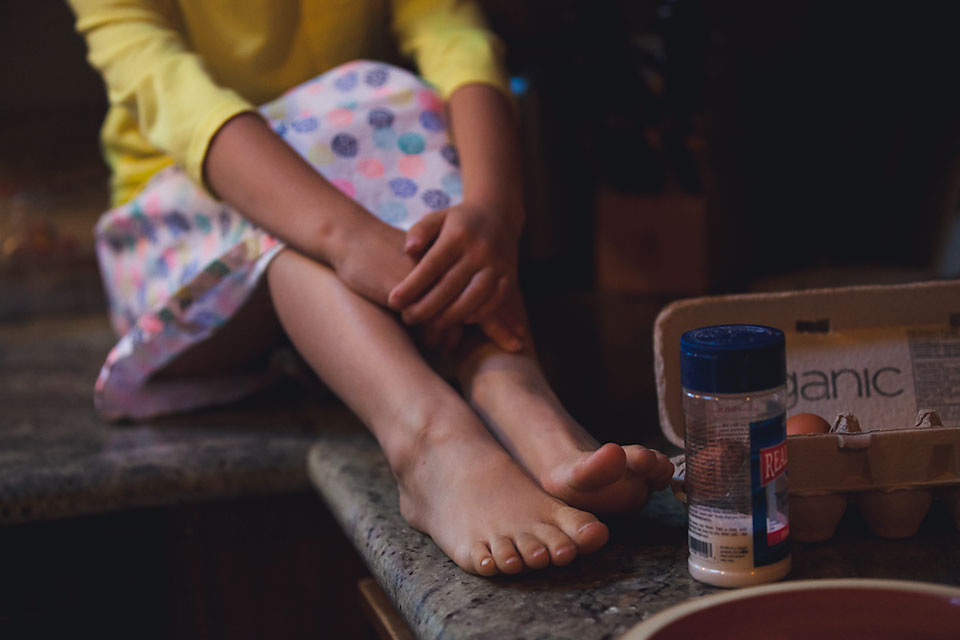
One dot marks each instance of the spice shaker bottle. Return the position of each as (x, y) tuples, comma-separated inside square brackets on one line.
[(734, 404)]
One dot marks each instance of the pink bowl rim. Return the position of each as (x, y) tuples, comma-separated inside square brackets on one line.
[(655, 623)]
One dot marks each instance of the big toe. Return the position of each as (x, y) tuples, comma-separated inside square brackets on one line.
[(588, 533), (599, 468)]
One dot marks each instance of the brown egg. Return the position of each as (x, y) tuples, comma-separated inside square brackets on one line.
[(806, 423)]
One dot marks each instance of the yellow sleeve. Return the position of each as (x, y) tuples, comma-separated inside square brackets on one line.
[(150, 72), (450, 42)]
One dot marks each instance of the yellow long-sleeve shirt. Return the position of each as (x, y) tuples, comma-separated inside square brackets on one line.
[(176, 70)]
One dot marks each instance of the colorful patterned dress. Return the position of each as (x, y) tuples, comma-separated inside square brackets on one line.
[(178, 264)]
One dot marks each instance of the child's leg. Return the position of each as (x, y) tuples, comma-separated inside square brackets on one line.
[(512, 396), (456, 483)]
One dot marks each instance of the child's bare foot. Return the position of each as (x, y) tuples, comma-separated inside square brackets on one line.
[(484, 511), (456, 483), (605, 479), (514, 400)]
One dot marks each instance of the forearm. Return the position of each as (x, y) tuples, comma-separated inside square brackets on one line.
[(485, 129), (261, 177), (254, 171)]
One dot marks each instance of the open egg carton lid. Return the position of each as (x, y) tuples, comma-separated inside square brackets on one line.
[(880, 363)]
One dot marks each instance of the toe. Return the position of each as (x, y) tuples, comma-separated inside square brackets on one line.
[(650, 464), (661, 471), (588, 533), (560, 546), (482, 559), (506, 556), (599, 469), (642, 461), (592, 536), (664, 472), (534, 552)]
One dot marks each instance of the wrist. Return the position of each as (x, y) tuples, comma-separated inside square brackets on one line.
[(509, 210), (334, 235)]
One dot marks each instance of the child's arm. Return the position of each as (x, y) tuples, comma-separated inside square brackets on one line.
[(246, 163), (215, 135), (219, 140), (471, 265), (272, 186)]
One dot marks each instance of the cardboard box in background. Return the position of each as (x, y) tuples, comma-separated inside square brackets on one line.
[(888, 355), (650, 244)]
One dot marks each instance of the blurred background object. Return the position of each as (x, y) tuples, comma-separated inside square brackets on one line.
[(52, 180), (796, 138), (674, 147)]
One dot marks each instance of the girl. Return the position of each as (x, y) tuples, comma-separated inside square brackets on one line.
[(234, 225)]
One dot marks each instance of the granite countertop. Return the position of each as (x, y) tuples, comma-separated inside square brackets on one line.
[(641, 571), (58, 459)]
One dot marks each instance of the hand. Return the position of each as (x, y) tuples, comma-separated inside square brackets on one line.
[(468, 268), (511, 313), (507, 326), (496, 328)]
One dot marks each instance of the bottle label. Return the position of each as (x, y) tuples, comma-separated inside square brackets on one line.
[(736, 482), (768, 487)]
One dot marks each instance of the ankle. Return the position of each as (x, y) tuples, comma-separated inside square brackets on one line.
[(419, 434), (495, 385), (526, 416)]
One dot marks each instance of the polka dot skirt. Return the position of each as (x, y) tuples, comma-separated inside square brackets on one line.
[(177, 265)]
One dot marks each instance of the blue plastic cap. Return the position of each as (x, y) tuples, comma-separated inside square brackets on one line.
[(733, 358)]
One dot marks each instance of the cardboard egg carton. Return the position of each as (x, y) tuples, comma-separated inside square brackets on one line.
[(883, 364)]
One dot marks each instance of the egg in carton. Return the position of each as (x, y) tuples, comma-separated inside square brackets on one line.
[(885, 360), (892, 475)]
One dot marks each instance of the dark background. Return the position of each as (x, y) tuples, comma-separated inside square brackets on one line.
[(820, 134), (816, 134)]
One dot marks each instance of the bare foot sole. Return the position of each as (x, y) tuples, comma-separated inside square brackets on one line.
[(485, 512)]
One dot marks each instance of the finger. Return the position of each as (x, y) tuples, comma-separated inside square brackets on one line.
[(491, 304), (509, 310), (432, 338), (442, 294), (501, 335), (512, 311), (424, 232), (506, 315), (429, 270), (451, 338), (481, 286)]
